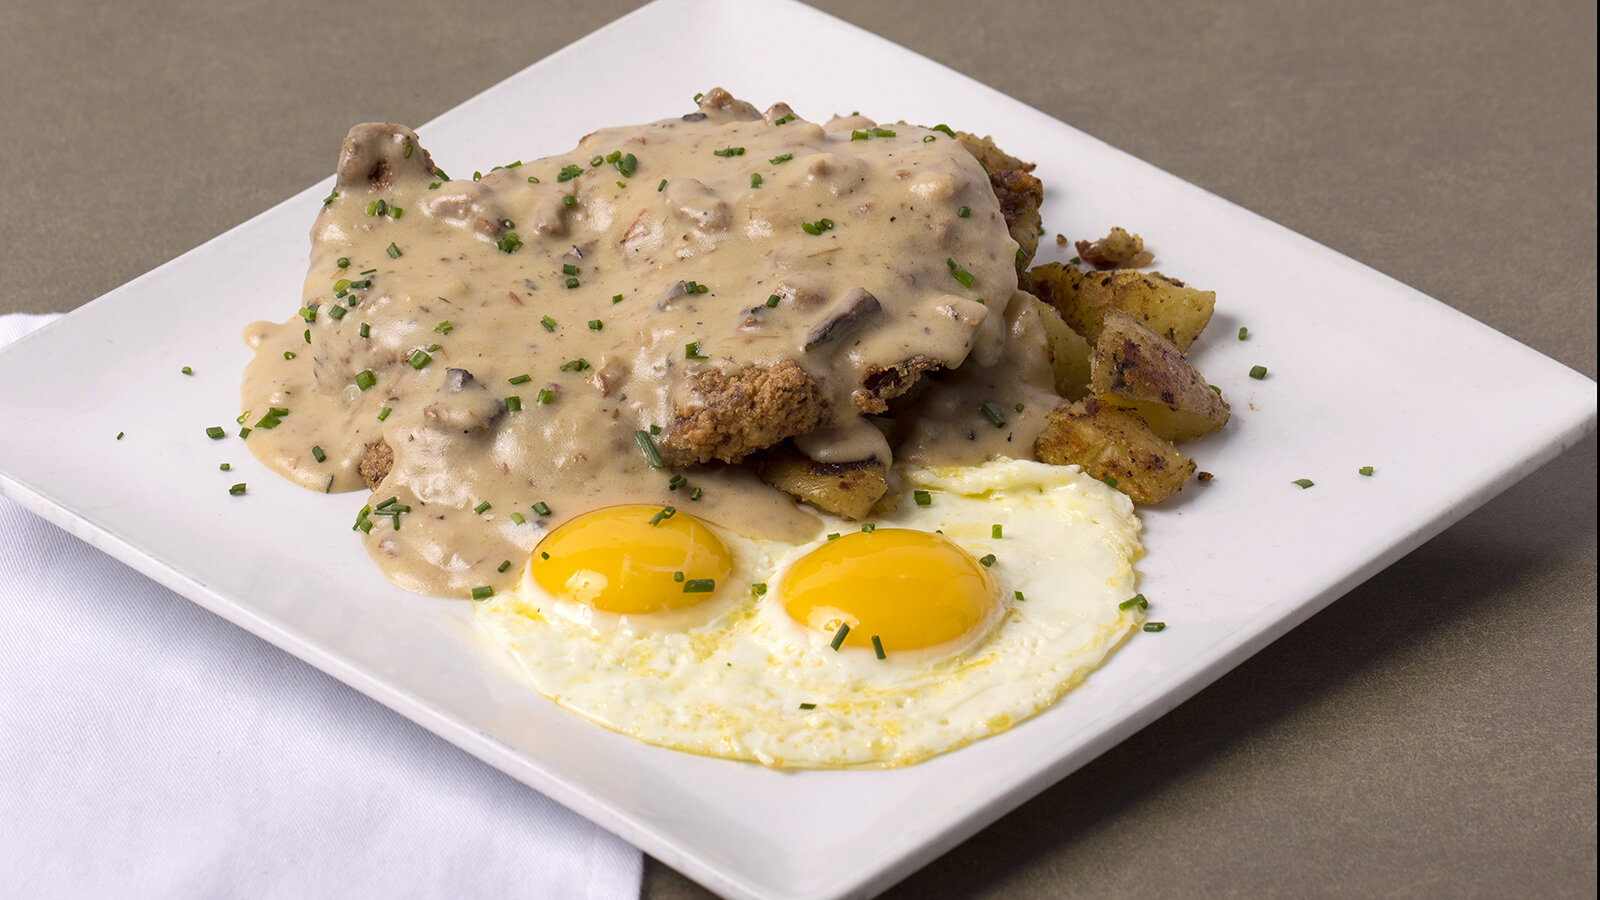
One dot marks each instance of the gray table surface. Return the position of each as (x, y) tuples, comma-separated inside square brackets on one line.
[(1430, 734)]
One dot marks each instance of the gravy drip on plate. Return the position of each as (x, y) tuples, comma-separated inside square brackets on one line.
[(626, 286)]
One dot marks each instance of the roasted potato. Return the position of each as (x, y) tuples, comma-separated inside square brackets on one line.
[(1136, 369), (1167, 306), (849, 490), (1069, 352), (1117, 250), (1114, 446)]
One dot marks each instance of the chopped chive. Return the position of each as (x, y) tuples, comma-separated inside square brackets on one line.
[(960, 274), (647, 445), (372, 207), (513, 403), (596, 160), (366, 330), (596, 325), (772, 301), (544, 396), (509, 242), (785, 119), (1364, 470), (817, 227), (481, 508), (572, 283), (759, 588), (627, 165), (237, 489), (541, 508), (691, 350), (992, 413), (696, 494), (665, 513), (569, 269), (699, 586), (944, 128), (517, 518), (1258, 372), (330, 198), (309, 313), (882, 132), (520, 379), (444, 327), (504, 565), (676, 481), (226, 467), (839, 636), (869, 528), (186, 370), (678, 577), (543, 555), (922, 498), (1243, 332), (365, 379), (343, 262), (384, 413), (1216, 389), (877, 647), (755, 179), (548, 323), (1135, 600), (1109, 481), (336, 312), (569, 200), (834, 536), (988, 560), (392, 250), (859, 135), (419, 358), (964, 212), (318, 455), (482, 592), (928, 139), (1018, 595), (995, 532), (728, 152), (568, 173), (1303, 482), (1155, 626), (215, 432), (616, 298), (662, 186), (406, 152), (575, 365), (808, 706), (780, 160)]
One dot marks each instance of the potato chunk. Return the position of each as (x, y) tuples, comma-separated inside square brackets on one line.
[(1136, 369), (1069, 352), (1117, 250), (1111, 443), (849, 490), (1168, 306)]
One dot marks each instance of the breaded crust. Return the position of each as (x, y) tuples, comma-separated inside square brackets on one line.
[(737, 413), (376, 463)]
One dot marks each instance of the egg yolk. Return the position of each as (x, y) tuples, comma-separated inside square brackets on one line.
[(910, 589), (632, 560)]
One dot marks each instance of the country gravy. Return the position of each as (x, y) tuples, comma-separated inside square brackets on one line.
[(609, 285)]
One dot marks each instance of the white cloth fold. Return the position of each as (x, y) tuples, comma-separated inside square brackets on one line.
[(151, 749)]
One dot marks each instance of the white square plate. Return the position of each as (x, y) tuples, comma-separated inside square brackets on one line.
[(1231, 565)]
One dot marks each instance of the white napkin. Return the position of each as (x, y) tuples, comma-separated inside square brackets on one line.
[(151, 749)]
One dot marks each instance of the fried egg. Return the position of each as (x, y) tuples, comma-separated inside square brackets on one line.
[(984, 597)]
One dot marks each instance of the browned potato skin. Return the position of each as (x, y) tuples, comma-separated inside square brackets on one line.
[(848, 490), (1136, 369), (1111, 443), (1167, 306)]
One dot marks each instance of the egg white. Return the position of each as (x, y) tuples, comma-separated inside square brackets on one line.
[(742, 679)]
